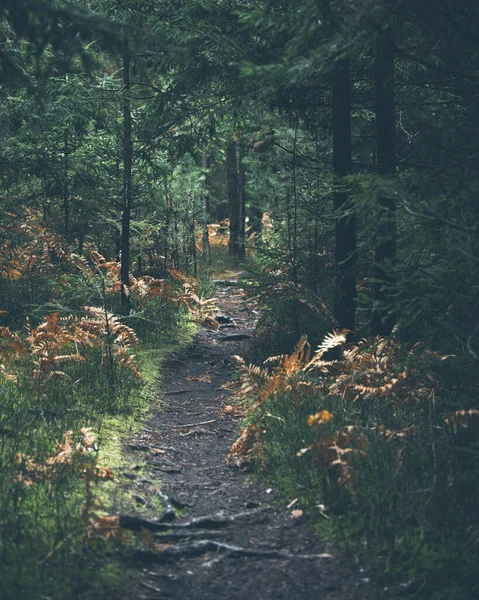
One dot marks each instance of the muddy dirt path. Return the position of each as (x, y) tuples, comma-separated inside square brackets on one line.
[(192, 438)]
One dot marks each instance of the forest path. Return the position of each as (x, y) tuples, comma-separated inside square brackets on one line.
[(192, 437)]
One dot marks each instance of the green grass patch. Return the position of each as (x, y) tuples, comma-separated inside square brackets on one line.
[(45, 549)]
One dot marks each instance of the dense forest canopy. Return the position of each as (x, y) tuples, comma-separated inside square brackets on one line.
[(328, 147)]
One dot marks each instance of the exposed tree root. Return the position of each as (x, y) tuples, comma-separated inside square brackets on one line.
[(185, 535), (169, 553), (217, 521), (138, 524)]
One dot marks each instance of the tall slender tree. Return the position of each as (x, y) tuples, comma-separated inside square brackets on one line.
[(241, 202), (385, 254), (233, 197), (127, 179), (205, 197), (345, 232)]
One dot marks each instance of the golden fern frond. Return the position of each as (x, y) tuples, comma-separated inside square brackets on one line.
[(52, 374), (127, 362), (300, 355), (462, 418), (68, 358), (79, 261), (274, 359), (12, 345), (177, 275), (244, 446), (331, 340)]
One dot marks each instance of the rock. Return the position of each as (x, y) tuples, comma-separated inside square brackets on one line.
[(225, 319), (140, 499)]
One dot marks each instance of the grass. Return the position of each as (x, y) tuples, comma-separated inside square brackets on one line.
[(224, 266)]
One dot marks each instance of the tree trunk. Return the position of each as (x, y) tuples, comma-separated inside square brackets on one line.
[(383, 319), (81, 241), (345, 246), (127, 181), (66, 192), (193, 248), (255, 215), (206, 201), (193, 238), (233, 198), (241, 204)]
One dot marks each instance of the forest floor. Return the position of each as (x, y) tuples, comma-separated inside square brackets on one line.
[(183, 451)]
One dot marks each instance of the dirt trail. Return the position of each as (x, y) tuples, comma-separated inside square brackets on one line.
[(193, 438)]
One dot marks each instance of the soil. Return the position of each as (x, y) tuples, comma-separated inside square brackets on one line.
[(186, 445)]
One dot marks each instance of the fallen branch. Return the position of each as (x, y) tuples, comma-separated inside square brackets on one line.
[(193, 424), (169, 553), (148, 586), (175, 392)]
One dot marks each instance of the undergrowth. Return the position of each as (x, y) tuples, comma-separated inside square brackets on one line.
[(75, 380), (382, 454)]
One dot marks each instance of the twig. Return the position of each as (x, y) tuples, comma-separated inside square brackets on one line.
[(57, 547), (218, 489), (148, 586), (193, 424), (219, 520), (429, 214), (174, 358), (175, 392), (196, 431), (469, 343)]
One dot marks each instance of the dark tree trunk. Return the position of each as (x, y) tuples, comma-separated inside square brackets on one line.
[(193, 245), (66, 193), (127, 181), (345, 247), (383, 319), (206, 208), (241, 205), (81, 241), (255, 215), (233, 198)]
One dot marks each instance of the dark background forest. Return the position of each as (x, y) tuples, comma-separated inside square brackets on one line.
[(329, 150)]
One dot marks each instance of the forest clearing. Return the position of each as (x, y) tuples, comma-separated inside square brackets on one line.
[(239, 327)]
